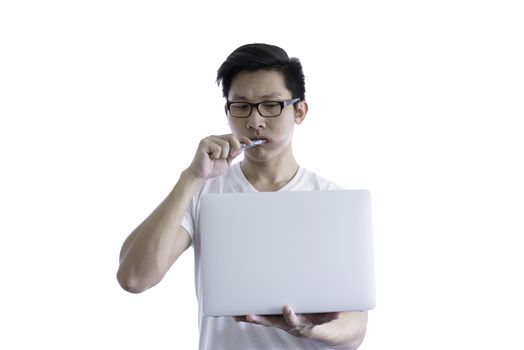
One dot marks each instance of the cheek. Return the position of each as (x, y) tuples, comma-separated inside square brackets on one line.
[(282, 134), (285, 127), (235, 125)]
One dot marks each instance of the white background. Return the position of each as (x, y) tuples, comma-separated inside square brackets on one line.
[(102, 104)]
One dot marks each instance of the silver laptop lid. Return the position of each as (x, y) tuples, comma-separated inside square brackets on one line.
[(311, 250)]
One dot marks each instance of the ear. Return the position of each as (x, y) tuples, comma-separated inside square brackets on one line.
[(225, 108), (301, 112)]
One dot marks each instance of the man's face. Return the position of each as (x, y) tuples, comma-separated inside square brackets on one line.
[(259, 86)]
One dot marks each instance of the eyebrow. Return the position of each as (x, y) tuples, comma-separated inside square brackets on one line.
[(271, 95)]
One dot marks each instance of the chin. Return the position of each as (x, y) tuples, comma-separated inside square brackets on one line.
[(265, 154), (257, 156)]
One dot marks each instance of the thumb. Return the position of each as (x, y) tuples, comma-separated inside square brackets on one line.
[(233, 155), (291, 318)]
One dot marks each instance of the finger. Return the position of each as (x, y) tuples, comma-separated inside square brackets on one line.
[(290, 317), (235, 148), (214, 150), (233, 145), (245, 140), (254, 319), (232, 155), (268, 321), (219, 146), (240, 318), (234, 142), (223, 144), (225, 151)]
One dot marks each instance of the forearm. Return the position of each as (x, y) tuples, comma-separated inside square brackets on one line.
[(346, 332), (148, 251)]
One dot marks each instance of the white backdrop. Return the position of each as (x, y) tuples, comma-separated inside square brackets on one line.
[(102, 104)]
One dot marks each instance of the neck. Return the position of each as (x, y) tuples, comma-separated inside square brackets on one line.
[(273, 174)]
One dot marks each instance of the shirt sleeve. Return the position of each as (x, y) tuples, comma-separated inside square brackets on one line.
[(188, 221)]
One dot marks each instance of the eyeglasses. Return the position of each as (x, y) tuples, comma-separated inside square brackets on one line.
[(267, 109)]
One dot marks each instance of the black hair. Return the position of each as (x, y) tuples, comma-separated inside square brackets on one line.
[(253, 57)]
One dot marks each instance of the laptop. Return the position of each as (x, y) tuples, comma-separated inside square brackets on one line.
[(311, 250)]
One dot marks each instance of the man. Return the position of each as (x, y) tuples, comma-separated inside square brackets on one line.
[(265, 95)]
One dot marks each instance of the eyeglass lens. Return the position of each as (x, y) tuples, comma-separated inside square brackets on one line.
[(265, 109)]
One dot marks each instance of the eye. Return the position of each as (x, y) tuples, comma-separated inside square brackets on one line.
[(271, 105), (270, 108), (240, 106)]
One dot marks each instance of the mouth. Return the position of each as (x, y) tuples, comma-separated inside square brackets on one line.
[(255, 142)]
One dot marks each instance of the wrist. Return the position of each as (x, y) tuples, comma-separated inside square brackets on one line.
[(187, 177), (330, 335)]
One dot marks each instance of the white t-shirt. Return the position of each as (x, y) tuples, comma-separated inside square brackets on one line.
[(223, 333)]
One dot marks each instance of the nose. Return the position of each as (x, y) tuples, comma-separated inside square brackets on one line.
[(255, 121)]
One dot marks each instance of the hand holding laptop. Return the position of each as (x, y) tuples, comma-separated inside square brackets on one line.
[(298, 325)]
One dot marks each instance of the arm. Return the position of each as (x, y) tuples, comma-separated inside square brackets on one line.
[(151, 249)]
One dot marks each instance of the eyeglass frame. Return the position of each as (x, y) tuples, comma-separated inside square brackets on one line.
[(283, 104)]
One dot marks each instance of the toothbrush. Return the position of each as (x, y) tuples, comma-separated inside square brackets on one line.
[(255, 142)]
